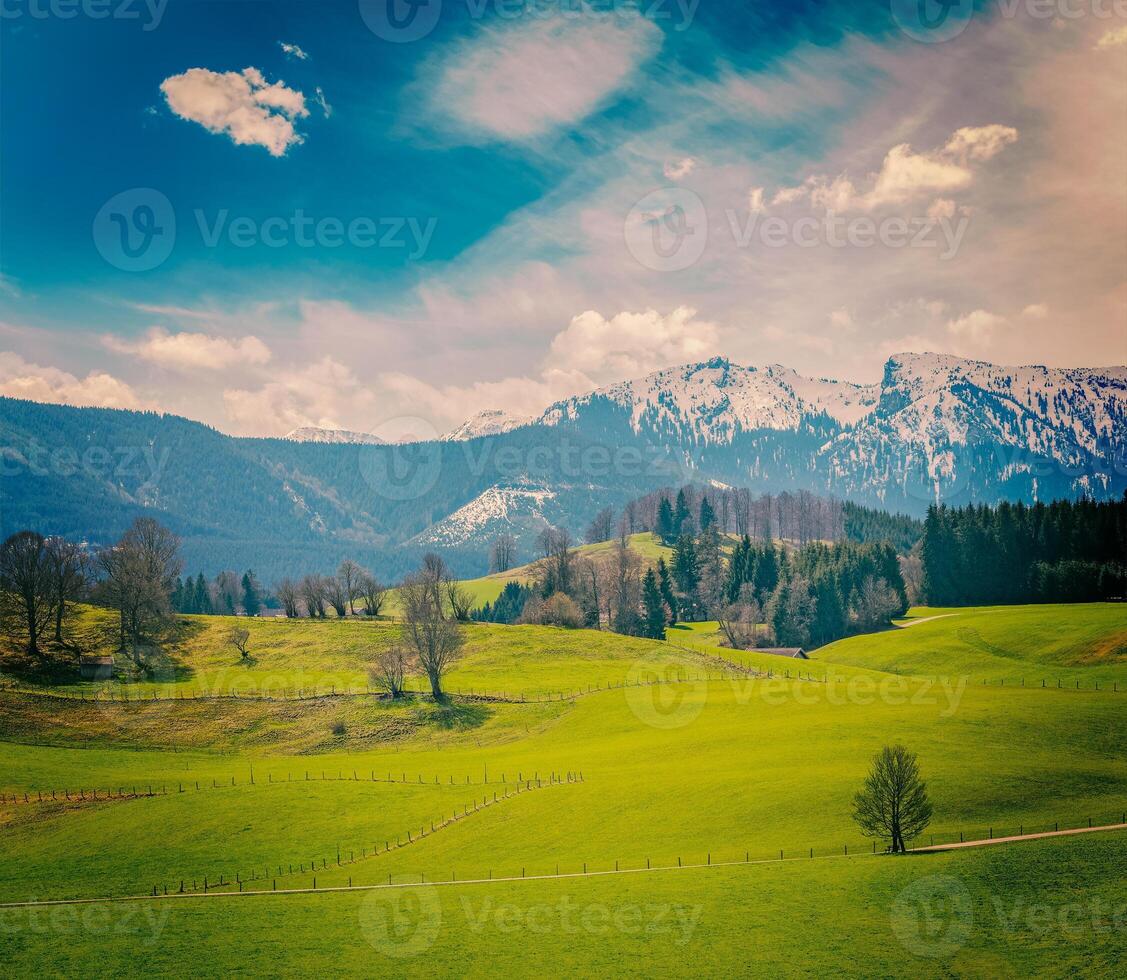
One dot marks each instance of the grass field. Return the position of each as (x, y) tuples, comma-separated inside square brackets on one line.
[(711, 765)]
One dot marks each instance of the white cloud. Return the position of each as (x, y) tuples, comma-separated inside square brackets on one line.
[(319, 98), (522, 81), (22, 379), (292, 51), (678, 169), (755, 201), (631, 344), (325, 393), (906, 174), (242, 104), (978, 327), (192, 351), (1036, 311), (842, 320), (1112, 38)]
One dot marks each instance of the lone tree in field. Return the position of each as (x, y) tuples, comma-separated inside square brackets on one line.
[(238, 639), (432, 637), (893, 803)]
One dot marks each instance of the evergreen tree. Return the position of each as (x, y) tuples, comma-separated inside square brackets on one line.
[(681, 515), (664, 529), (686, 576), (654, 623), (202, 601), (252, 601), (665, 586), (707, 515)]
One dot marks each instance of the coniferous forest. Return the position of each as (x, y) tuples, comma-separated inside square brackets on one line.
[(1060, 552)]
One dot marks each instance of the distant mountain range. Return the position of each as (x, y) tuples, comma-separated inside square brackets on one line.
[(934, 428)]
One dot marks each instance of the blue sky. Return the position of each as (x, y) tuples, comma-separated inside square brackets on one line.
[(331, 223)]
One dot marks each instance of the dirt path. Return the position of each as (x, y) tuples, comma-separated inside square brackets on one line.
[(926, 619), (1007, 840)]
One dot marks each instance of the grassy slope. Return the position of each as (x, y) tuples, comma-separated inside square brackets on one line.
[(863, 917), (677, 770), (1086, 641)]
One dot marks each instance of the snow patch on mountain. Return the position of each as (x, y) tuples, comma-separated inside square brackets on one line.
[(490, 422), (311, 433), (497, 510)]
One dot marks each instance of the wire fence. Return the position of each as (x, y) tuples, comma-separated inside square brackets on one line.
[(149, 790)]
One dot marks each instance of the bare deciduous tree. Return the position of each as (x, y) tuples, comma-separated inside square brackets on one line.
[(70, 573), (27, 593), (389, 671), (287, 593), (238, 638), (140, 570), (601, 527), (503, 554), (350, 576), (459, 599), (893, 803), (740, 622), (374, 595), (314, 594), (433, 638), (336, 596)]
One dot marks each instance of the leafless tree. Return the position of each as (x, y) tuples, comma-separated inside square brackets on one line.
[(912, 571), (27, 588), (459, 599), (740, 622), (503, 554), (389, 670), (228, 593), (238, 638), (432, 637), (287, 593), (373, 593), (70, 573), (140, 570), (314, 594), (874, 605), (350, 576), (601, 528), (336, 596)]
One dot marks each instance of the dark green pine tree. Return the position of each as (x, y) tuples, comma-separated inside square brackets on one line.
[(680, 515), (177, 597), (252, 602), (665, 587), (664, 527), (203, 597), (707, 515), (686, 575), (654, 606)]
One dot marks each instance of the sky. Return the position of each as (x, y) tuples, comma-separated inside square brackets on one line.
[(388, 215)]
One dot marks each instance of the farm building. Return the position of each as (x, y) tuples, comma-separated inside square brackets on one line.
[(95, 668), (795, 653)]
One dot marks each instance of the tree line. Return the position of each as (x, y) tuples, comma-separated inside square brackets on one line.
[(760, 593), (1065, 551)]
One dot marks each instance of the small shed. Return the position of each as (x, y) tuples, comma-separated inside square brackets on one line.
[(95, 668), (795, 653)]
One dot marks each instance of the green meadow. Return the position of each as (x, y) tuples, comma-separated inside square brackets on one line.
[(729, 775)]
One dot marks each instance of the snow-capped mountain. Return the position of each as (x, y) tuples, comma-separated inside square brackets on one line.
[(500, 509), (490, 422), (935, 427), (311, 433)]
